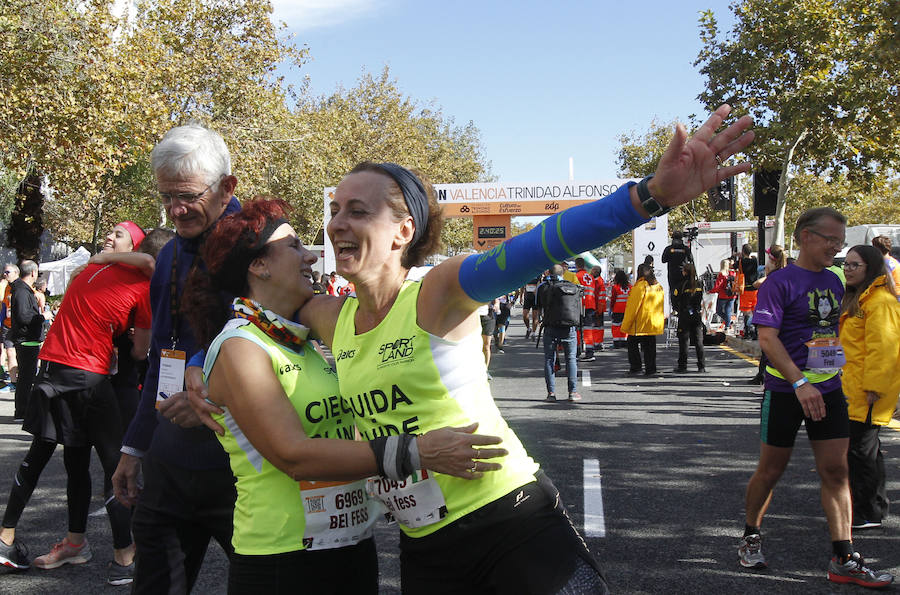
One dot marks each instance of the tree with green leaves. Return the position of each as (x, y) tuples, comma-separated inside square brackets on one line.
[(87, 94), (820, 78), (374, 121)]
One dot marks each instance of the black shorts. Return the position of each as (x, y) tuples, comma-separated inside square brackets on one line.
[(502, 320), (528, 303), (782, 414), (350, 569), (488, 324), (523, 542)]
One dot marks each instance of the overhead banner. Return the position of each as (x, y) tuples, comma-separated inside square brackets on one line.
[(465, 200), (499, 198)]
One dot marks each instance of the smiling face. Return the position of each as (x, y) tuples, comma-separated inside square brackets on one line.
[(118, 240), (193, 218), (821, 242), (362, 228), (288, 265)]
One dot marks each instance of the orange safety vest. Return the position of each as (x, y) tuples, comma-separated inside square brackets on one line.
[(620, 297), (600, 293), (587, 282)]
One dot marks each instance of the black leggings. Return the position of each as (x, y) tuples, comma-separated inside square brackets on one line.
[(82, 409), (77, 460), (78, 487)]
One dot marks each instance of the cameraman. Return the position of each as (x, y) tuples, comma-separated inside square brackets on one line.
[(675, 255)]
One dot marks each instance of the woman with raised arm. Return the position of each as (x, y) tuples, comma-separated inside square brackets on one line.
[(506, 530)]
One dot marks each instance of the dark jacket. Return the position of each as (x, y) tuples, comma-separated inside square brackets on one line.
[(194, 448), (688, 303), (27, 320)]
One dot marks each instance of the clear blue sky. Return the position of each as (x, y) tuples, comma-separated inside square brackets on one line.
[(543, 81)]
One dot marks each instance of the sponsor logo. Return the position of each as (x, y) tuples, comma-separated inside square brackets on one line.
[(289, 368), (398, 349), (346, 354), (520, 498)]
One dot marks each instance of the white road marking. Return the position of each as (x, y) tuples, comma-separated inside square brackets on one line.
[(585, 378), (594, 521)]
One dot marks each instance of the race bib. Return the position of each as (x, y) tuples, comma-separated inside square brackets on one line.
[(416, 501), (171, 374), (337, 513), (825, 355)]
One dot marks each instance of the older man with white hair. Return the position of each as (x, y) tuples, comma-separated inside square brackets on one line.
[(188, 492)]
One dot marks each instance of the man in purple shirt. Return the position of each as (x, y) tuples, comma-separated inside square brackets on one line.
[(797, 315)]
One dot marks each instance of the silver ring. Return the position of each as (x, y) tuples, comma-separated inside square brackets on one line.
[(718, 160), (473, 467), (213, 403)]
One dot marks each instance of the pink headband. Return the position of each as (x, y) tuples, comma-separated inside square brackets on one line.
[(136, 233)]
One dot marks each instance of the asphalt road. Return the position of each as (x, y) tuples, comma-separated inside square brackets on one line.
[(674, 453)]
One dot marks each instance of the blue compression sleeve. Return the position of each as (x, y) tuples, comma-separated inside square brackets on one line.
[(563, 235)]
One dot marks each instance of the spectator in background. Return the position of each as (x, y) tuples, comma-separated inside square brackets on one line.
[(725, 292), (675, 255), (618, 297), (644, 319), (317, 286), (688, 302), (7, 349), (600, 300), (883, 243), (331, 288), (25, 333), (870, 336), (554, 296), (589, 307), (775, 259), (504, 310), (749, 273)]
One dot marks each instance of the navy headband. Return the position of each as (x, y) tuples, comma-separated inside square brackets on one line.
[(414, 195)]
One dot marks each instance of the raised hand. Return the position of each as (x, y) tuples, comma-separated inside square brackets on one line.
[(691, 166)]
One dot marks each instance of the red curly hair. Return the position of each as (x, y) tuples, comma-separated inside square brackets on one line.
[(226, 256)]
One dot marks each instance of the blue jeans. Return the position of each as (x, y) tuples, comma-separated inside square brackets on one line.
[(723, 309), (554, 336)]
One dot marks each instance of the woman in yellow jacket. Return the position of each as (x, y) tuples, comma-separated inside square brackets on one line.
[(870, 335), (644, 320)]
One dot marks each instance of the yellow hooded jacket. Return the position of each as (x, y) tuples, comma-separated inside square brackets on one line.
[(871, 342), (644, 309)]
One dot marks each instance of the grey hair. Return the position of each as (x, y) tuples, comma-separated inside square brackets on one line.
[(812, 217), (191, 150), (13, 266), (26, 267)]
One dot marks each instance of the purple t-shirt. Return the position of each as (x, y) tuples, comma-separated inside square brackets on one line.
[(803, 305)]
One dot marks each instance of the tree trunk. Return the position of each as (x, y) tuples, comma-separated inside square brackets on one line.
[(95, 236), (26, 222), (778, 232)]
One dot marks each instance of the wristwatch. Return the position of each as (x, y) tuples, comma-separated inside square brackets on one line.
[(648, 202)]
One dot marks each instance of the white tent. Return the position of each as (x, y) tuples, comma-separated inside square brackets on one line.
[(59, 271)]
